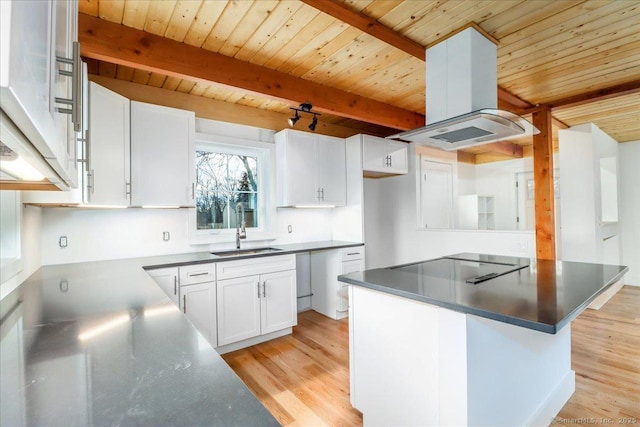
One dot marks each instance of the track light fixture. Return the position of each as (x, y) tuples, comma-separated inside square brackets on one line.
[(314, 123), (304, 108), (293, 120)]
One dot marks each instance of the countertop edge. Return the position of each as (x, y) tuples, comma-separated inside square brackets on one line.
[(312, 248)]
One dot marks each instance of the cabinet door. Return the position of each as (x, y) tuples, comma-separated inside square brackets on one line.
[(374, 152), (332, 170), (167, 279), (108, 147), (343, 292), (279, 308), (162, 156), (27, 68), (65, 18), (238, 302), (198, 303), (397, 153), (296, 158)]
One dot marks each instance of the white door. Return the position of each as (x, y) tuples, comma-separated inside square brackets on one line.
[(301, 169), (343, 292), (162, 156), (167, 279), (198, 303), (397, 152), (436, 194), (332, 170), (374, 154), (238, 302), (108, 148), (279, 308)]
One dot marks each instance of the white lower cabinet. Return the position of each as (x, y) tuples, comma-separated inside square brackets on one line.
[(330, 297), (198, 303), (167, 279), (253, 299), (257, 304), (238, 309)]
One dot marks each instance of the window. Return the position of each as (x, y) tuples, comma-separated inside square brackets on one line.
[(223, 182), (232, 172)]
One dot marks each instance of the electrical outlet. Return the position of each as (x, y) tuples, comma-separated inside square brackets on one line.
[(166, 236), (62, 241)]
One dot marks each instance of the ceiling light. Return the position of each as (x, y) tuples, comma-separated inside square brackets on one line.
[(314, 123), (293, 120), (304, 108)]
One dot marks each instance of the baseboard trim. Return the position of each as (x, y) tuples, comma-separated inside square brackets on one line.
[(552, 405)]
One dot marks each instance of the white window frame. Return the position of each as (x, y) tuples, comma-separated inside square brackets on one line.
[(265, 154)]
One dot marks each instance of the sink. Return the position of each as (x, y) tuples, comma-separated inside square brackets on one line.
[(239, 252)]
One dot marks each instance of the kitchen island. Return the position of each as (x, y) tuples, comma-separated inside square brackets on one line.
[(467, 339)]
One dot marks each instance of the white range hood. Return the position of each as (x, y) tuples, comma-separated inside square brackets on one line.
[(462, 97)]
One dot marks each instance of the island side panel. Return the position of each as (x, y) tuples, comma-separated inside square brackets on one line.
[(516, 376), (395, 360)]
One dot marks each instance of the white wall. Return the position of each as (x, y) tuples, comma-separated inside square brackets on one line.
[(30, 228), (94, 234), (630, 209), (392, 235)]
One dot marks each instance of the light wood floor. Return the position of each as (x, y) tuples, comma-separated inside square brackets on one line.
[(303, 379)]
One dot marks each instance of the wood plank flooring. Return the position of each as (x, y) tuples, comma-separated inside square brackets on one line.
[(303, 379)]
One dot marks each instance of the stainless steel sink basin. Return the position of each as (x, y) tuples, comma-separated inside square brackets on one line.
[(240, 252)]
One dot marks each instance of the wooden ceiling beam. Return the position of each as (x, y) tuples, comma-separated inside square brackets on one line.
[(596, 95), (118, 44), (503, 147), (368, 25), (383, 33), (213, 109)]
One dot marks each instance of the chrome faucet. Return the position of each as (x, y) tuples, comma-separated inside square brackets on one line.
[(241, 227)]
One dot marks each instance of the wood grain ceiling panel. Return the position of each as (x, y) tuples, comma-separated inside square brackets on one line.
[(547, 51)]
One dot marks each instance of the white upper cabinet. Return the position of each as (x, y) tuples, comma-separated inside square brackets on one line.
[(382, 157), (311, 169), (162, 156), (108, 167), (32, 35)]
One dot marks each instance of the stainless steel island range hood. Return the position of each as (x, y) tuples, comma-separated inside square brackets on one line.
[(462, 97)]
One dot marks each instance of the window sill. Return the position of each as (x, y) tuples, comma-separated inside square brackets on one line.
[(215, 238)]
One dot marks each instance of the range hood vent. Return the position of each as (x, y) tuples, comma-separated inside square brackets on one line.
[(462, 97), (475, 128)]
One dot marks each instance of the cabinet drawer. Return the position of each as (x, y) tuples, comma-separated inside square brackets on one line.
[(349, 254), (197, 273), (251, 266)]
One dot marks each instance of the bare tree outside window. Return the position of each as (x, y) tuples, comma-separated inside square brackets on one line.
[(222, 181)]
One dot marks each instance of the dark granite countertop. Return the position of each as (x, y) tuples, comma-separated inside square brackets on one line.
[(544, 296), (99, 343)]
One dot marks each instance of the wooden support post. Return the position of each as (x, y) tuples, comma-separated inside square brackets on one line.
[(543, 179)]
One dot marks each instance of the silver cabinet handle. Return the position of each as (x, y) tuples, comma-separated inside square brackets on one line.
[(322, 192), (92, 181), (258, 289), (76, 87), (175, 285), (204, 273), (193, 191), (264, 289), (127, 188), (184, 304)]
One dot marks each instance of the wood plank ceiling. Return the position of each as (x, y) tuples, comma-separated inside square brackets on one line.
[(563, 53)]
